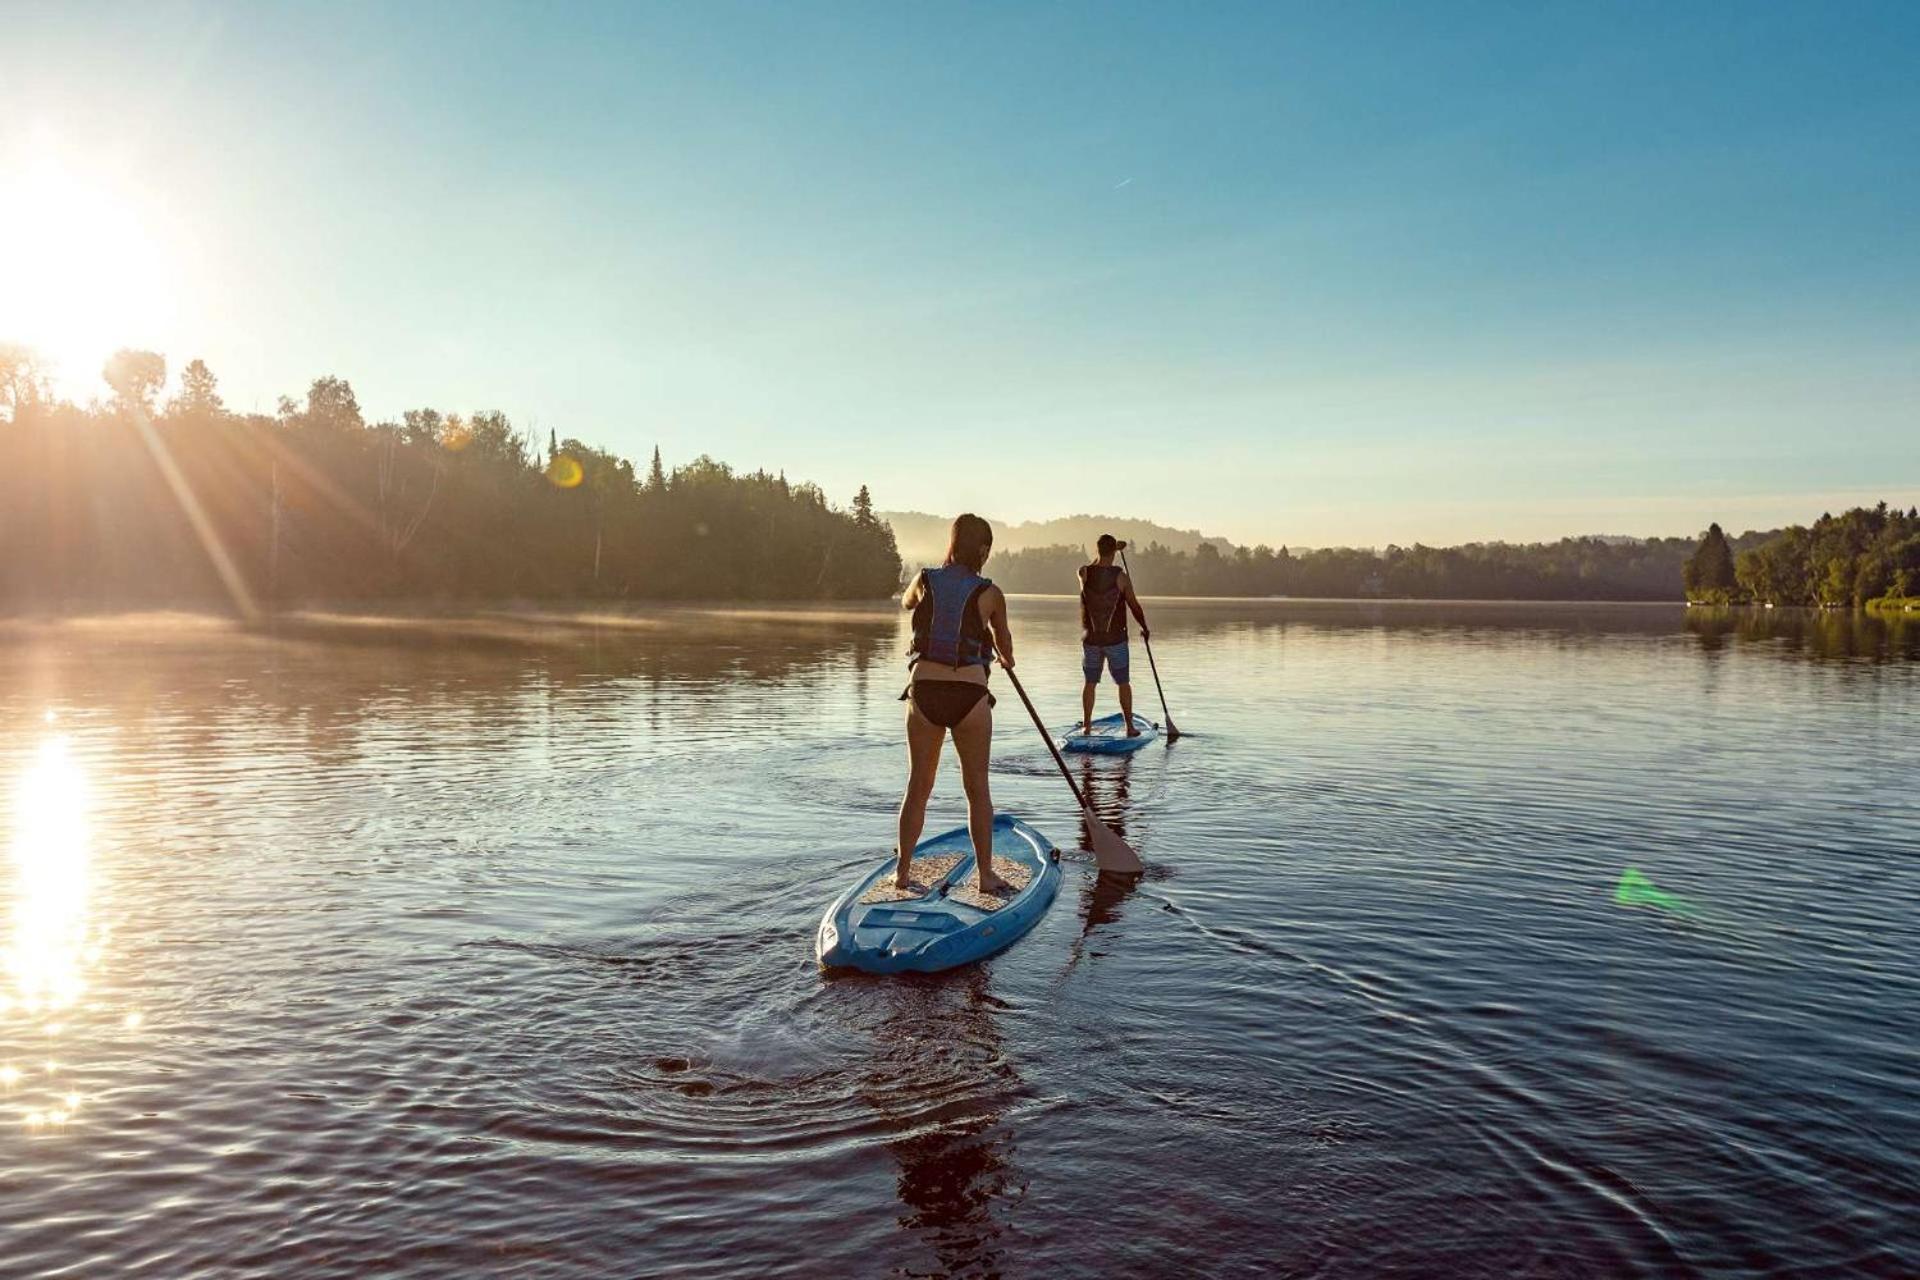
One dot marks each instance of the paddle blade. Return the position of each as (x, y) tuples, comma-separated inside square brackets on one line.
[(1110, 852), (1173, 730)]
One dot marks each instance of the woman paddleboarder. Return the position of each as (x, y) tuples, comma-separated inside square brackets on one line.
[(959, 621)]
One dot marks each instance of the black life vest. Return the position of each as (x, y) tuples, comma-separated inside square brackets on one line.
[(946, 622), (1103, 617)]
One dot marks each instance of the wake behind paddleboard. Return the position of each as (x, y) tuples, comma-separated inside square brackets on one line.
[(1109, 736), (941, 920)]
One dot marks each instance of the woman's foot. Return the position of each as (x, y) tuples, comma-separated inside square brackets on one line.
[(991, 883)]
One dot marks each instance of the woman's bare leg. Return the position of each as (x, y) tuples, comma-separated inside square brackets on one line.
[(923, 763), (973, 740)]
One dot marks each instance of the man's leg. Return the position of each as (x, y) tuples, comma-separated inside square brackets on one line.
[(1119, 664), (1090, 658)]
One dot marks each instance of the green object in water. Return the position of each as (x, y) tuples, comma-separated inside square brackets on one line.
[(1637, 891)]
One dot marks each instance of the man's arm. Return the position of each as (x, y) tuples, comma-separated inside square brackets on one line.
[(1133, 603)]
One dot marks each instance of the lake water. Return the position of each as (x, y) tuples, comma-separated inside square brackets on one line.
[(1477, 940)]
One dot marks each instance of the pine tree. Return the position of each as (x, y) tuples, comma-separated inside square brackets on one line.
[(1709, 571), (199, 396), (863, 509), (656, 474)]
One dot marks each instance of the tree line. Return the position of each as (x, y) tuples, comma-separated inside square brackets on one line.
[(1863, 557), (1866, 556), (1570, 569), (141, 500)]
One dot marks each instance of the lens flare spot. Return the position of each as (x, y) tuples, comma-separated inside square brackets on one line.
[(9, 1076), (133, 1020), (565, 472), (73, 1102), (35, 1119), (1635, 890)]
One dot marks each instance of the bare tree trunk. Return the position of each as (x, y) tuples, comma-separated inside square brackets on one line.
[(402, 538), (273, 544)]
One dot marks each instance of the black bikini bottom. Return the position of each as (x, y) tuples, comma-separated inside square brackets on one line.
[(945, 702)]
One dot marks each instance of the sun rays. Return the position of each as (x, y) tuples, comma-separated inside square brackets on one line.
[(86, 256)]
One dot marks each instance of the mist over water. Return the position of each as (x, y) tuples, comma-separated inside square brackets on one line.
[(1477, 940)]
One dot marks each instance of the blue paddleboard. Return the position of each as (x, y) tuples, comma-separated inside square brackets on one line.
[(941, 920), (1109, 736)]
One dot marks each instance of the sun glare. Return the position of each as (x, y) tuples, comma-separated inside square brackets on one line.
[(46, 957), (85, 271)]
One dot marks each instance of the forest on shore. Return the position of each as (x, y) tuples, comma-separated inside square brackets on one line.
[(1570, 569), (144, 501), (1866, 557)]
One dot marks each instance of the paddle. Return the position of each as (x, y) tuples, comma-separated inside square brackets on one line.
[(1110, 852), (1172, 731)]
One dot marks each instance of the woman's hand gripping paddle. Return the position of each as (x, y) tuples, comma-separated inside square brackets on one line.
[(1172, 730), (1110, 852)]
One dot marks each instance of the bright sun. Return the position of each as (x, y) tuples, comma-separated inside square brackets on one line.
[(83, 271)]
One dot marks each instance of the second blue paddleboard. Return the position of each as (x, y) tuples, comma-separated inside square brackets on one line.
[(1109, 736)]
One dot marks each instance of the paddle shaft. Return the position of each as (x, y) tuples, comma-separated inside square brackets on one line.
[(1046, 737), (1152, 666)]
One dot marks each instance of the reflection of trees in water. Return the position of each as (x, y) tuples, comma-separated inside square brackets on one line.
[(1810, 633), (320, 678), (1796, 634), (1572, 624), (940, 1076)]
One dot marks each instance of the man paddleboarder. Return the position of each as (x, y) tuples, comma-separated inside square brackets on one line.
[(1105, 593)]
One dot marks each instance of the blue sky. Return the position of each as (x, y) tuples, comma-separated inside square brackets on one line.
[(1314, 274)]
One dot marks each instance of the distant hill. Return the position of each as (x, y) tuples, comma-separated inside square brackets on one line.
[(922, 538)]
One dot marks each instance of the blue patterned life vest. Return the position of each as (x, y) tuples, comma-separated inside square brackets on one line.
[(946, 622)]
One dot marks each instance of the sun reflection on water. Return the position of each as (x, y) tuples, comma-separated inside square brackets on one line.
[(52, 943)]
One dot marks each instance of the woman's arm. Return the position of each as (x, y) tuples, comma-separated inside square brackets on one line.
[(915, 589), (993, 607)]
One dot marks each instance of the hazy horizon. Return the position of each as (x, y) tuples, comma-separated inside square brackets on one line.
[(1024, 537), (1338, 278)]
